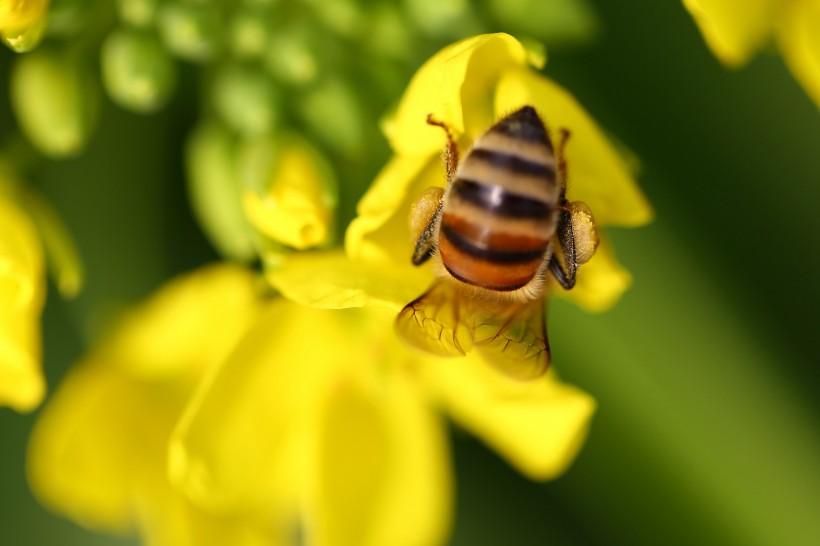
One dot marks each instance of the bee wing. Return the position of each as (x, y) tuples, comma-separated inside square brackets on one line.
[(437, 321), (514, 339)]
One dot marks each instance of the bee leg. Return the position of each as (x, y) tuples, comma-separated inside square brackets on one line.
[(562, 162), (566, 239), (450, 150), (424, 219), (578, 239)]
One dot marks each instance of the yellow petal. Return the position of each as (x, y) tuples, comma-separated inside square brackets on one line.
[(458, 78), (188, 325), (87, 445), (799, 39), (599, 283), (538, 426), (246, 436), (379, 233), (733, 29), (290, 193), (597, 174), (16, 14), (98, 453), (22, 291), (332, 281), (383, 463)]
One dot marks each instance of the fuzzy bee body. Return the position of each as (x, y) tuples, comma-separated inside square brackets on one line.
[(499, 214), (493, 237)]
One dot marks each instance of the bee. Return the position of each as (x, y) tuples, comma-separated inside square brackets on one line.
[(494, 235)]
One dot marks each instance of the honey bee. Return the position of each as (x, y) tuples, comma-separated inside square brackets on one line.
[(493, 235)]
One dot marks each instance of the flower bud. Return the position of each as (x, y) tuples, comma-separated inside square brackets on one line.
[(290, 192), (26, 38), (138, 73), (215, 191), (55, 101), (246, 99), (192, 31)]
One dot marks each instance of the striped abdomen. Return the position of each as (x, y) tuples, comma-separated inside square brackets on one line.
[(499, 213)]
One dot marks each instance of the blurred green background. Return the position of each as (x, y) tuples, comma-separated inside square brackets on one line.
[(706, 373)]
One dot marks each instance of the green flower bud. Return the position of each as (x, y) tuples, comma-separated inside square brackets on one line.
[(249, 33), (55, 101), (191, 31), (137, 13), (215, 191), (290, 57), (138, 73), (554, 22), (333, 112), (444, 17), (246, 99)]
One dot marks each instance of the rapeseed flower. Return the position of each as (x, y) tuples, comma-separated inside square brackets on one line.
[(468, 86), (22, 294), (322, 414), (735, 30)]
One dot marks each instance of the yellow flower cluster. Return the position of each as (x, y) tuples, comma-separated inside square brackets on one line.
[(215, 415), (737, 29)]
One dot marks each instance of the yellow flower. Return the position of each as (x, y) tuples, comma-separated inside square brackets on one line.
[(468, 86), (325, 415), (22, 293), (98, 451), (326, 419), (735, 30)]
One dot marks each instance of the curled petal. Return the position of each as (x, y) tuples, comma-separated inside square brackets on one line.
[(733, 29), (458, 78), (538, 426), (290, 191), (22, 292), (597, 174), (332, 281)]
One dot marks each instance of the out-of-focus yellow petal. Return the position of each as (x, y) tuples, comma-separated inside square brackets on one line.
[(458, 78), (799, 39), (733, 29), (383, 463), (86, 443), (597, 174), (290, 193), (599, 283), (243, 440), (99, 450), (188, 325), (22, 291), (332, 281), (379, 233), (289, 426), (538, 426), (17, 14)]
